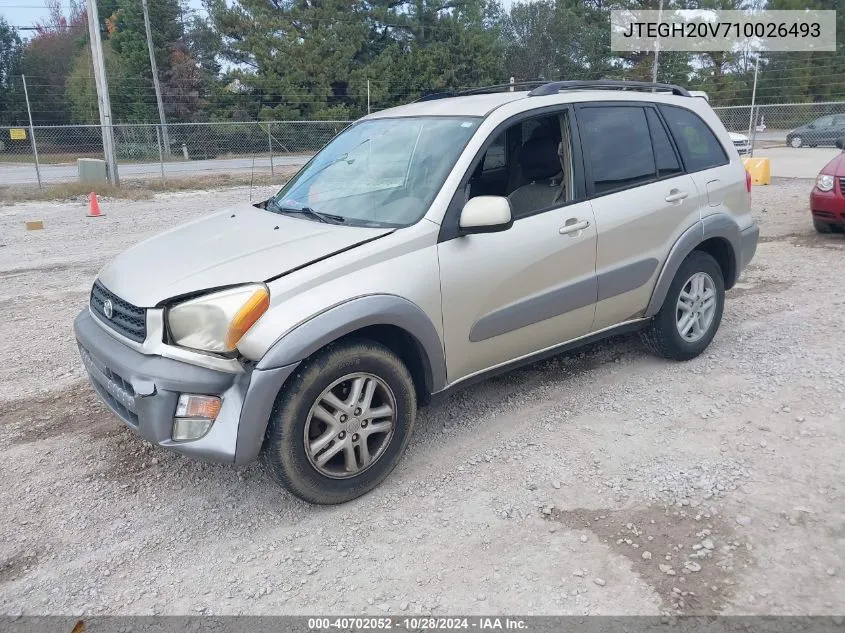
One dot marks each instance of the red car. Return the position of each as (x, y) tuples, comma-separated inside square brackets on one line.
[(827, 200)]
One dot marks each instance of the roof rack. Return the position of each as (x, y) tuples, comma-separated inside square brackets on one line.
[(554, 87), (434, 95), (482, 90)]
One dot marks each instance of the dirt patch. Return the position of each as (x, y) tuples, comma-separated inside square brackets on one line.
[(689, 556), (143, 189), (75, 409), (761, 286), (809, 240), (126, 455), (17, 565), (55, 268)]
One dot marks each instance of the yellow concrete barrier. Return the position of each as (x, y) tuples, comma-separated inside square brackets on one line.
[(760, 170)]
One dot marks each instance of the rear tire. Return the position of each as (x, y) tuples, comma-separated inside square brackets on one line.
[(691, 312), (318, 416), (822, 227)]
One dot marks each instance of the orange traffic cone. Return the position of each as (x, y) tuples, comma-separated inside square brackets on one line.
[(94, 207)]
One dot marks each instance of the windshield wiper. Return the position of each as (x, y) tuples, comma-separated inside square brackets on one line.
[(326, 218)]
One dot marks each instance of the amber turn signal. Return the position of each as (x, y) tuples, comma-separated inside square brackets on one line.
[(246, 317)]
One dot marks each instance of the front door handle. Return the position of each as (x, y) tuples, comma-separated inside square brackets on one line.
[(676, 195), (573, 225)]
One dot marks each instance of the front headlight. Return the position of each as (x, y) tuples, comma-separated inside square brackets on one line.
[(217, 321), (824, 182)]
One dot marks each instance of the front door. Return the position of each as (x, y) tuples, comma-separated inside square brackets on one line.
[(531, 287)]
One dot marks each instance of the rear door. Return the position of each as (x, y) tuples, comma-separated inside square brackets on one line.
[(642, 201)]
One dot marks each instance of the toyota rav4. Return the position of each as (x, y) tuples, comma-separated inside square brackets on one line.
[(425, 247)]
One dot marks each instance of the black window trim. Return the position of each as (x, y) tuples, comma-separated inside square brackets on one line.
[(449, 228), (588, 170), (507, 158), (687, 170), (673, 144)]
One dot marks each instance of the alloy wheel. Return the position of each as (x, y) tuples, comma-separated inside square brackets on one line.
[(696, 307), (350, 425)]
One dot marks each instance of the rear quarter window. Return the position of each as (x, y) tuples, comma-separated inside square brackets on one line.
[(700, 149)]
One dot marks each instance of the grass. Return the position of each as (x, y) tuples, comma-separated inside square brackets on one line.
[(140, 189)]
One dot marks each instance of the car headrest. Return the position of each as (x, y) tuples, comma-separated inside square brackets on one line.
[(538, 159)]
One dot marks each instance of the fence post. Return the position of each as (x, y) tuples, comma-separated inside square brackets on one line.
[(32, 133), (270, 143), (160, 155)]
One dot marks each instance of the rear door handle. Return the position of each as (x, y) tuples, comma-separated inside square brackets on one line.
[(574, 226), (676, 196)]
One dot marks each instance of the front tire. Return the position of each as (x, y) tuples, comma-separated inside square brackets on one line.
[(691, 312), (340, 426), (822, 227)]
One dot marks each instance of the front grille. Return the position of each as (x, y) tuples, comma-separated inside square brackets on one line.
[(126, 319), (842, 186), (117, 393)]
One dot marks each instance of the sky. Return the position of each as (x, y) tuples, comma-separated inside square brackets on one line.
[(25, 13)]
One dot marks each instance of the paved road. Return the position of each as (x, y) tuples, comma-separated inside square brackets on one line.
[(22, 173), (804, 162)]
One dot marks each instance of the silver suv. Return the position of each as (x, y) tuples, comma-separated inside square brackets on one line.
[(424, 247)]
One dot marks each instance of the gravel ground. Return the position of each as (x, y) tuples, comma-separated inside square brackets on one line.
[(602, 482)]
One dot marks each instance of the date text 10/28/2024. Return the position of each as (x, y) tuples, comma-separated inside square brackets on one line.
[(421, 623)]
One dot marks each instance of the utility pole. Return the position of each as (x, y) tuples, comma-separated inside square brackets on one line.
[(752, 130), (32, 133), (657, 44), (103, 101), (165, 136)]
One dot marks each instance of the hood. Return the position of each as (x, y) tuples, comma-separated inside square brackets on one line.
[(836, 167), (735, 136), (239, 245)]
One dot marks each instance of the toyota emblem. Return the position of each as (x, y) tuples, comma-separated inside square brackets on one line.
[(108, 308)]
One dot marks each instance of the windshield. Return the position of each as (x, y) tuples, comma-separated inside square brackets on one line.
[(381, 172)]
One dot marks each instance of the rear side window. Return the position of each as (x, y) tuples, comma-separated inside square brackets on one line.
[(617, 142), (699, 147), (664, 154)]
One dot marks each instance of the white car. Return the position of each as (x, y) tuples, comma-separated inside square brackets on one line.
[(741, 143)]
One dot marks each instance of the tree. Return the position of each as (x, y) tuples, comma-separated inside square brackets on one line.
[(47, 61), (129, 41), (11, 64), (312, 58)]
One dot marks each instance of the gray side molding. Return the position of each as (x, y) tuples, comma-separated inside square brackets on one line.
[(724, 226), (353, 315), (260, 397), (717, 225)]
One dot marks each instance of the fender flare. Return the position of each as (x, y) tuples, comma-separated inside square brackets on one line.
[(718, 225), (352, 315)]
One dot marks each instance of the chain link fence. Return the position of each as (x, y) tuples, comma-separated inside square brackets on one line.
[(770, 125), (179, 150), (271, 148)]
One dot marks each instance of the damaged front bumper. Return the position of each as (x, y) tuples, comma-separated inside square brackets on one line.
[(144, 389)]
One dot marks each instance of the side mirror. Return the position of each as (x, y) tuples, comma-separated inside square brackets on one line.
[(486, 214), (840, 143), (811, 126)]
